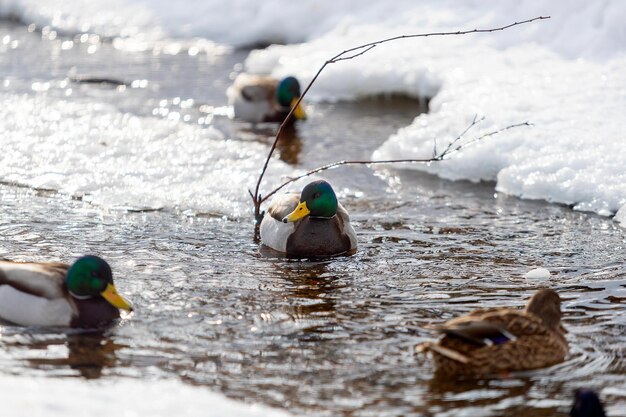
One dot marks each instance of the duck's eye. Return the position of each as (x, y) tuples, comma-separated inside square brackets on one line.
[(316, 195)]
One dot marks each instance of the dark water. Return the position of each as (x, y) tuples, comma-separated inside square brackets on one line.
[(326, 338)]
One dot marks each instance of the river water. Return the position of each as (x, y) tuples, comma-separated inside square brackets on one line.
[(331, 337)]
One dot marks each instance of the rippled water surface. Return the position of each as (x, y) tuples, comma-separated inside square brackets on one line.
[(332, 337)]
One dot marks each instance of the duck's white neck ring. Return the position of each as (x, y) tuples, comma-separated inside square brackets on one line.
[(79, 297)]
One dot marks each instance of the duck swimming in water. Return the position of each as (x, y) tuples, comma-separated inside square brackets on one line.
[(56, 294), (499, 340), (310, 224), (258, 99)]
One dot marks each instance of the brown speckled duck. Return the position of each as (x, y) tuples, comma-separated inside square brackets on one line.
[(55, 294), (501, 340), (308, 225)]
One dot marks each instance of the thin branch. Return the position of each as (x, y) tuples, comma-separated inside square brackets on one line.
[(436, 158), (486, 135), (342, 56), (345, 58), (475, 121), (424, 35)]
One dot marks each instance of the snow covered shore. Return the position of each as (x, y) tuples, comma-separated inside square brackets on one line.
[(565, 75), (48, 397)]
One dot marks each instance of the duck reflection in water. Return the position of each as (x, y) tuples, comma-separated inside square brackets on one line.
[(88, 353), (289, 144), (310, 292)]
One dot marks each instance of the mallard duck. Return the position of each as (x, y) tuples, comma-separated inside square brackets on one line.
[(586, 404), (55, 294), (499, 340), (310, 224), (259, 99)]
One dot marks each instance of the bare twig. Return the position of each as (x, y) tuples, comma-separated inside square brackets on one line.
[(345, 58), (441, 156), (342, 56)]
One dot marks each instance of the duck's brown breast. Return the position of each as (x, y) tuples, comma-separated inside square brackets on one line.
[(315, 236), (94, 313)]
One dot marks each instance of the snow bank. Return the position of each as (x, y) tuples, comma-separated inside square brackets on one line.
[(41, 397), (113, 159), (235, 22), (574, 154), (110, 18), (250, 22), (565, 75)]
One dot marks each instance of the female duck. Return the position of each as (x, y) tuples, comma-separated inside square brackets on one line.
[(492, 341), (55, 294), (311, 224), (259, 99)]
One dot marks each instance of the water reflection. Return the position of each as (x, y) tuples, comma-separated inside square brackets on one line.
[(289, 144), (505, 396), (312, 291), (88, 353)]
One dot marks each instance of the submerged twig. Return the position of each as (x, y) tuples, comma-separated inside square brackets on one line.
[(343, 56)]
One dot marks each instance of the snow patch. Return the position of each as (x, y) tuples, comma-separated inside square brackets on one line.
[(564, 74), (113, 159), (573, 91), (538, 273), (42, 397)]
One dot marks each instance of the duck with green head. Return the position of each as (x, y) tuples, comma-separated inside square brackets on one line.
[(310, 224), (259, 99), (500, 340), (56, 294)]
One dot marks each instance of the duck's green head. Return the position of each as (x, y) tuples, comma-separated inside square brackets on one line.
[(287, 95), (91, 276), (317, 199)]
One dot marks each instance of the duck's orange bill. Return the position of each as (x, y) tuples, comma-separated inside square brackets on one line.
[(301, 211), (299, 112), (112, 296)]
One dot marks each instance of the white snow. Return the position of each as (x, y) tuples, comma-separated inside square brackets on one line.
[(234, 22), (537, 273), (621, 216), (565, 75), (110, 18), (113, 159), (43, 397)]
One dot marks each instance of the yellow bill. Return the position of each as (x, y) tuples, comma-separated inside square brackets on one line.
[(301, 211), (299, 112), (112, 296)]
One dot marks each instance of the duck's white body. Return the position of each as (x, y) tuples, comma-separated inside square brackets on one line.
[(274, 233), (28, 310), (32, 294), (253, 98)]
